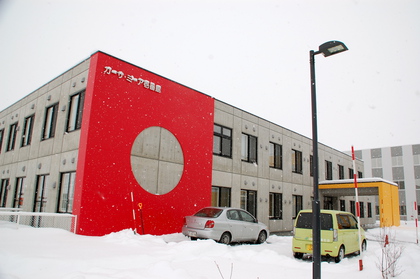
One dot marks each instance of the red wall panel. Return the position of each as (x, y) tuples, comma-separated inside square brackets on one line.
[(119, 105)]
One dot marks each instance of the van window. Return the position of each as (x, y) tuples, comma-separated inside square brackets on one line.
[(346, 222), (305, 221)]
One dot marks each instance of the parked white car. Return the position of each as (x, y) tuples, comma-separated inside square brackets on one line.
[(225, 225)]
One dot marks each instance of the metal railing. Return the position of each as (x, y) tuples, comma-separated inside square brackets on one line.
[(40, 219)]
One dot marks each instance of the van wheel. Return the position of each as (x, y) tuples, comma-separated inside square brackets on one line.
[(364, 245), (225, 238), (298, 255), (262, 237), (340, 255)]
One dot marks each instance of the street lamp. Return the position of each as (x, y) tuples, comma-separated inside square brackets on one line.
[(327, 49)]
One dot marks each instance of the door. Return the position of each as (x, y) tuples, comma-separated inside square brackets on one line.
[(250, 229), (347, 232), (236, 225)]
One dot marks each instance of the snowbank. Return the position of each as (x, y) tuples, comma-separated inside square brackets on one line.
[(54, 253)]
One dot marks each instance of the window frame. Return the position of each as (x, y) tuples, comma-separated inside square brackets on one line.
[(1, 138), (11, 139), (297, 159), (67, 184), (28, 127), (249, 201), (225, 141), (75, 113), (275, 155), (297, 205), (276, 206), (249, 150), (219, 193), (4, 189), (328, 170), (341, 172), (50, 122), (18, 197)]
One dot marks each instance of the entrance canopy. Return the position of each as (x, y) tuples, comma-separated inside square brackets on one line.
[(386, 191)]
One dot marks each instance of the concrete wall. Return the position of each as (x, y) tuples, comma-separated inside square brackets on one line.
[(42, 157), (238, 175)]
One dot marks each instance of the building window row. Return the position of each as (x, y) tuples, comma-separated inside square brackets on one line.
[(40, 198), (74, 122), (222, 146)]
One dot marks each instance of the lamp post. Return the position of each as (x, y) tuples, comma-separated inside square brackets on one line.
[(327, 49)]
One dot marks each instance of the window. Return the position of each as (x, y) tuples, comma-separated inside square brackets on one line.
[(351, 173), (249, 201), (342, 205), (362, 209), (1, 138), (50, 121), (311, 165), (41, 189), (346, 222), (297, 205), (296, 161), (353, 207), (249, 148), (12, 137), (328, 170), (220, 196), (19, 189), (403, 210), (340, 172), (3, 192), (328, 202), (27, 131), (359, 174), (369, 209), (74, 118), (400, 183), (376, 163), (67, 182), (276, 156), (222, 141), (305, 221), (276, 206)]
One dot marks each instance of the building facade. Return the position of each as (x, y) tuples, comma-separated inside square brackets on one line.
[(400, 164), (121, 147)]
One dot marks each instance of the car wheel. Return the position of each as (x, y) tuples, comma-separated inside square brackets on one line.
[(225, 238), (298, 255), (262, 237), (340, 255)]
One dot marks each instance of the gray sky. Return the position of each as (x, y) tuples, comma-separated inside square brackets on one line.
[(251, 54)]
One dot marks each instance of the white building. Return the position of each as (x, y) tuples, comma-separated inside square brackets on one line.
[(400, 164)]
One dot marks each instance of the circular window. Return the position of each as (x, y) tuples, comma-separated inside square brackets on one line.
[(157, 160)]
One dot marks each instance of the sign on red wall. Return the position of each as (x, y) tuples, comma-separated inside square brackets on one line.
[(121, 101)]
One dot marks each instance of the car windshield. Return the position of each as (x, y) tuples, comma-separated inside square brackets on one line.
[(305, 221), (209, 212)]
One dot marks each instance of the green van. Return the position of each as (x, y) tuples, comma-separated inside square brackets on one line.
[(339, 234)]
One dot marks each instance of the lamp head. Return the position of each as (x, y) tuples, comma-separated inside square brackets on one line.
[(332, 47)]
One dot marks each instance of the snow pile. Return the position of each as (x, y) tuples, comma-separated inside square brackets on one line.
[(54, 253)]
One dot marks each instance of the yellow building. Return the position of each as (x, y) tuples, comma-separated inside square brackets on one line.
[(386, 191)]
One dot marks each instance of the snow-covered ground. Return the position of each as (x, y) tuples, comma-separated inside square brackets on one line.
[(54, 253)]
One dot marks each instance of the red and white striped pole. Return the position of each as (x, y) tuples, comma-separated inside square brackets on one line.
[(357, 206)]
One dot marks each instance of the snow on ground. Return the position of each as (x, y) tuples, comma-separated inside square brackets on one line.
[(54, 253)]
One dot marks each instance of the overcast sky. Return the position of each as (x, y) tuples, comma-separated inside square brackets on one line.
[(251, 54)]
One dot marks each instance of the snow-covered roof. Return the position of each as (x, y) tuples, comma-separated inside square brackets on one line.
[(359, 180)]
